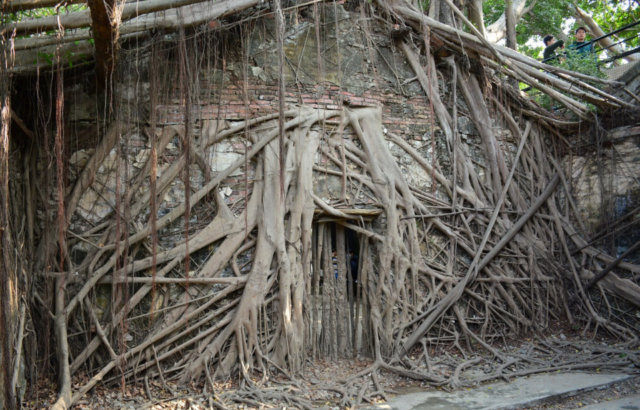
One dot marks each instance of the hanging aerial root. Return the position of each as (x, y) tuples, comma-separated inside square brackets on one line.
[(435, 269)]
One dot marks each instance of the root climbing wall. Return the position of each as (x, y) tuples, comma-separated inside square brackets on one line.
[(200, 241)]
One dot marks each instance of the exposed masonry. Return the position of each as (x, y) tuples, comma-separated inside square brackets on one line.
[(373, 73), (407, 116)]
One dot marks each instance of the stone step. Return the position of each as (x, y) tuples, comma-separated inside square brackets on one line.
[(519, 393), (625, 403)]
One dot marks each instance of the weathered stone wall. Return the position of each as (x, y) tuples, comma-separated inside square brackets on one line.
[(360, 67), (606, 181)]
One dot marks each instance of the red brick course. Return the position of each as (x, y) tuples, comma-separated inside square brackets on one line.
[(406, 116)]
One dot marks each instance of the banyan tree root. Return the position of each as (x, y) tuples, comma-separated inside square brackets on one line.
[(257, 323), (463, 263), (450, 369)]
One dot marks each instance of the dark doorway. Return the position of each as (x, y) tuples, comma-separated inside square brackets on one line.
[(352, 252), (335, 292)]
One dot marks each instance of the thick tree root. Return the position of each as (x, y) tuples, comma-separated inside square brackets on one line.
[(485, 249)]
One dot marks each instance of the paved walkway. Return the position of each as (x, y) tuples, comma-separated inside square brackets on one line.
[(518, 394), (625, 403)]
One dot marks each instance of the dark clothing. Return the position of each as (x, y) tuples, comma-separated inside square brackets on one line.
[(582, 51), (550, 51)]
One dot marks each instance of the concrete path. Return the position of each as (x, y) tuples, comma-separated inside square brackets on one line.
[(518, 394), (625, 403)]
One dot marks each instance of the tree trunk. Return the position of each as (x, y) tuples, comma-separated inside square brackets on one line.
[(497, 30), (510, 17), (476, 15), (8, 284), (22, 5), (190, 10), (105, 23)]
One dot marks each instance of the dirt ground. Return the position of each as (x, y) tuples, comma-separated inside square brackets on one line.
[(316, 384), (135, 397)]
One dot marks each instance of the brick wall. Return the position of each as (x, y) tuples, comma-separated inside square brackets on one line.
[(404, 115)]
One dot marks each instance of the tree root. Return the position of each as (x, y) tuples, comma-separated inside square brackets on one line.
[(254, 288)]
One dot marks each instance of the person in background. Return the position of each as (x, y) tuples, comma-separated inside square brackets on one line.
[(581, 47), (551, 45)]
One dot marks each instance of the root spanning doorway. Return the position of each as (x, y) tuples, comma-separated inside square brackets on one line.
[(340, 265)]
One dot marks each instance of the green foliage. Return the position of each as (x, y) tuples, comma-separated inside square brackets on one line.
[(574, 61), (545, 17), (581, 63), (531, 51), (492, 9), (543, 100), (555, 17), (50, 59), (611, 15), (41, 12)]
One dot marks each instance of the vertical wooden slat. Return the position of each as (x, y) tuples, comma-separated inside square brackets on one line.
[(342, 304), (327, 288), (317, 248), (357, 323)]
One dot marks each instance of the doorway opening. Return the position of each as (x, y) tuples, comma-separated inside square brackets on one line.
[(340, 265)]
